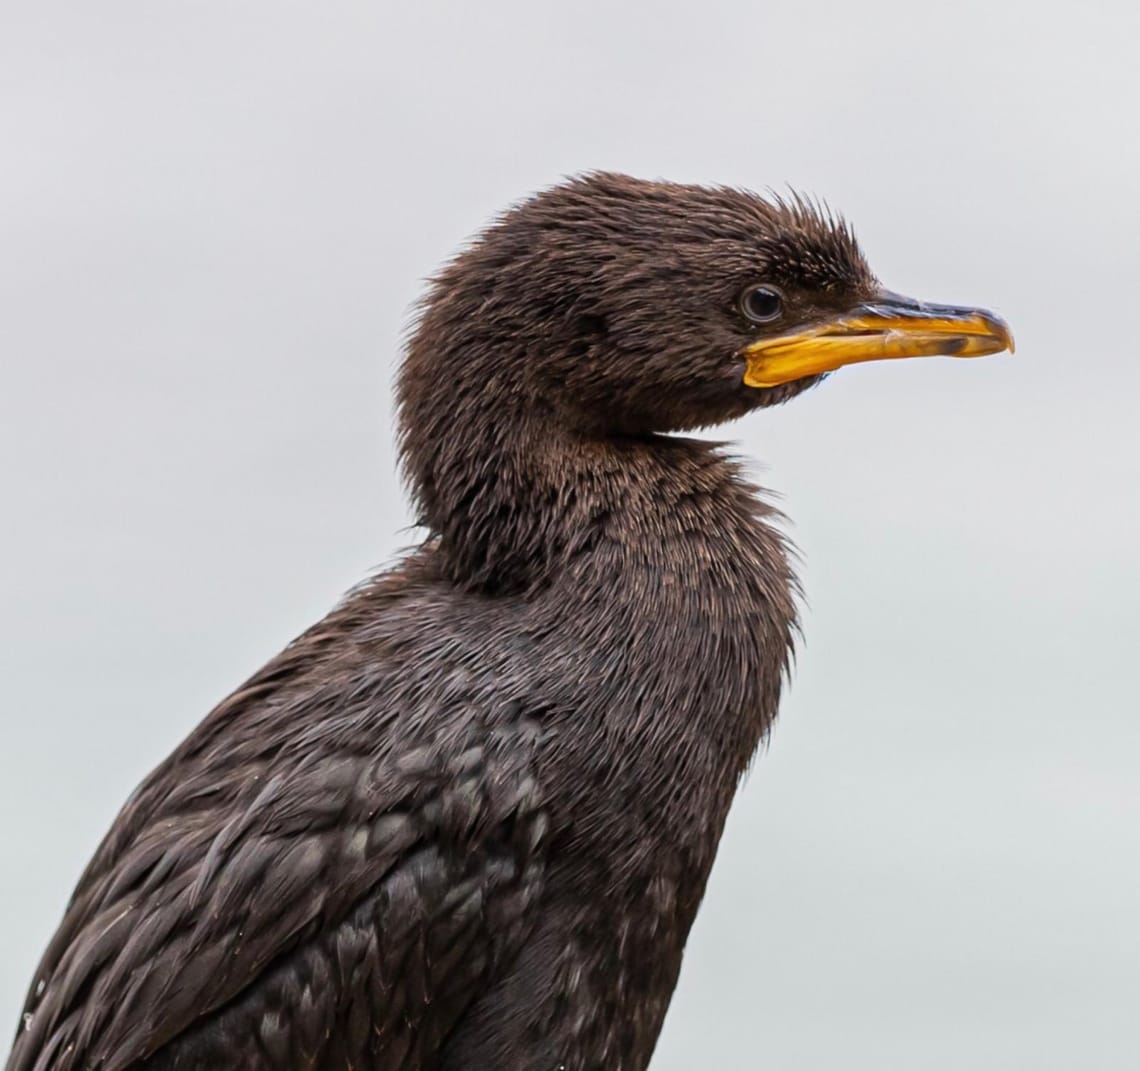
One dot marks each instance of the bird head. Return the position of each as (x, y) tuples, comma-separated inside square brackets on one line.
[(621, 306)]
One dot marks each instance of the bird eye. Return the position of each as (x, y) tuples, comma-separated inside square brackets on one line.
[(761, 304)]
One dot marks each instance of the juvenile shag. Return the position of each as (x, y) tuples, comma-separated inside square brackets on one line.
[(465, 821)]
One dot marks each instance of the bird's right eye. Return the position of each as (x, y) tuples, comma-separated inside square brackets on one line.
[(761, 303)]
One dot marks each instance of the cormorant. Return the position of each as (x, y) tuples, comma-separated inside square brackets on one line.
[(465, 821)]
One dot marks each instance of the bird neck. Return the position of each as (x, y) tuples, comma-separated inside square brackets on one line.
[(507, 489), (512, 486)]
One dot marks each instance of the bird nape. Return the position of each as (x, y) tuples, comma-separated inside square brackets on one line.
[(466, 820)]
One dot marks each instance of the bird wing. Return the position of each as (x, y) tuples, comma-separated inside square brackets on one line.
[(250, 845)]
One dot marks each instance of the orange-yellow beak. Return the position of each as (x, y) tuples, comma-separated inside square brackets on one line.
[(889, 326)]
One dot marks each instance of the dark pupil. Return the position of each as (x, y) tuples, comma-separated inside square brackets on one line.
[(762, 303)]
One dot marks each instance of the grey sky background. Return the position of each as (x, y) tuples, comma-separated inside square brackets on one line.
[(214, 218)]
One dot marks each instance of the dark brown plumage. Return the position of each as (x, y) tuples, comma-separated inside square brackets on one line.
[(465, 821)]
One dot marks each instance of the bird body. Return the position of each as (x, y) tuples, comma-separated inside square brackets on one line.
[(467, 819)]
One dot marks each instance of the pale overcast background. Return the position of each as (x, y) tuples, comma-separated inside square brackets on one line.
[(214, 218)]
